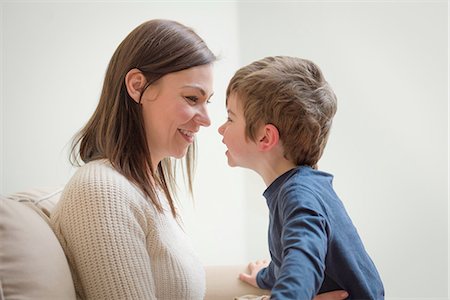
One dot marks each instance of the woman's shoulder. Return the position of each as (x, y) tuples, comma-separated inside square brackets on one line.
[(98, 173), (99, 179), (99, 188), (96, 168)]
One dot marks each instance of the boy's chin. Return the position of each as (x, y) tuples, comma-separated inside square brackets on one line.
[(232, 164)]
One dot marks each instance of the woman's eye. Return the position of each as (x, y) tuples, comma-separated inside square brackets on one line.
[(191, 98)]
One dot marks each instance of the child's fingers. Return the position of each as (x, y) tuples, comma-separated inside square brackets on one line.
[(247, 279), (261, 262), (244, 277), (251, 267)]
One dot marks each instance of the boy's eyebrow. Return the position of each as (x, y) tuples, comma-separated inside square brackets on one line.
[(230, 112), (195, 86)]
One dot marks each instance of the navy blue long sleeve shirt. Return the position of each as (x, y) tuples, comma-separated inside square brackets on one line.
[(313, 244)]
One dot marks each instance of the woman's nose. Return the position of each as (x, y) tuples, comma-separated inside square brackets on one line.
[(202, 117)]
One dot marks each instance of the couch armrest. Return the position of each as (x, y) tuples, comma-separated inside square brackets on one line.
[(222, 283), (32, 262)]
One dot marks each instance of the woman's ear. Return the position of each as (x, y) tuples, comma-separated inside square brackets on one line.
[(268, 138), (135, 82)]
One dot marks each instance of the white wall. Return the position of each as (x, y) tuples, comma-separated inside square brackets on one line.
[(388, 150), (388, 64)]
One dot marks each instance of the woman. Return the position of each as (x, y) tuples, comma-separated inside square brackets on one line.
[(116, 219)]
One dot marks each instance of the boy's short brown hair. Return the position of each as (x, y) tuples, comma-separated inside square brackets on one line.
[(292, 94)]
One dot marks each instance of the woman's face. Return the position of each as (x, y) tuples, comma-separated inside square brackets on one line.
[(174, 109)]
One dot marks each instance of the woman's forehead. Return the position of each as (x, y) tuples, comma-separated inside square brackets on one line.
[(199, 78)]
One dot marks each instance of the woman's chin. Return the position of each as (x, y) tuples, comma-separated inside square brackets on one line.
[(180, 154)]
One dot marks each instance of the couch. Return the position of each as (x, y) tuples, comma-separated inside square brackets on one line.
[(33, 264)]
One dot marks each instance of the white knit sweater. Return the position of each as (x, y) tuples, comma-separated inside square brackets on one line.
[(118, 245)]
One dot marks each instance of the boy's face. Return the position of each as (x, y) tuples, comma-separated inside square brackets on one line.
[(241, 151)]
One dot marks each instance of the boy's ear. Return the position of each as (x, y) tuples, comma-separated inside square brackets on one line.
[(135, 82), (268, 138)]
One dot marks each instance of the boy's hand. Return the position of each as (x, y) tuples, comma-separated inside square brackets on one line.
[(334, 295), (254, 268)]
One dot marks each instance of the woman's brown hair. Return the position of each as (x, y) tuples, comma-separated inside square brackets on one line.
[(116, 129)]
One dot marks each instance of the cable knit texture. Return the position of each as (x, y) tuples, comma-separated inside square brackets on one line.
[(118, 245)]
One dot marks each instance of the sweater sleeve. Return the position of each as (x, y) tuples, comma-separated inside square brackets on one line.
[(304, 239), (104, 233)]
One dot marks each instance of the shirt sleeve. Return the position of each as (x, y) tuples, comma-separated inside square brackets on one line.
[(304, 238), (266, 277), (104, 233)]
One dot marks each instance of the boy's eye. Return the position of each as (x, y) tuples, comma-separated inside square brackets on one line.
[(229, 119)]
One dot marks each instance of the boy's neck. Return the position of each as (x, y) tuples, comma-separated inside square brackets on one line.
[(271, 170)]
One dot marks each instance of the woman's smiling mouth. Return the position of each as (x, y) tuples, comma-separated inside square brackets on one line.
[(187, 135)]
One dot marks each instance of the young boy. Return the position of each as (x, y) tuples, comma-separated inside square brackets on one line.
[(280, 111)]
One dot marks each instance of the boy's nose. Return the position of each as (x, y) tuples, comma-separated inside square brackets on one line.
[(221, 129)]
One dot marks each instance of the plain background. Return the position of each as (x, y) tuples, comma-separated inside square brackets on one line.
[(388, 150)]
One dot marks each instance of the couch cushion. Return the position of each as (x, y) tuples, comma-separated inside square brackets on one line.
[(45, 198), (32, 262)]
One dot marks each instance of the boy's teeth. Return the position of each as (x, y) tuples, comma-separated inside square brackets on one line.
[(188, 133)]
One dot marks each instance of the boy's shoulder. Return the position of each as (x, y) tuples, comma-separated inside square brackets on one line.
[(305, 187), (305, 177)]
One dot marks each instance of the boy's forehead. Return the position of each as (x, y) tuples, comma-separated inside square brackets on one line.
[(233, 101)]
